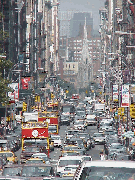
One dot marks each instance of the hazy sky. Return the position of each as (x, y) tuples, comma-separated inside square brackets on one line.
[(84, 5)]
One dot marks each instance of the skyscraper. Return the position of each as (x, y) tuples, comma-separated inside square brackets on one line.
[(78, 21)]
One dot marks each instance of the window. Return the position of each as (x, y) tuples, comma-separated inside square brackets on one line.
[(73, 66), (69, 65)]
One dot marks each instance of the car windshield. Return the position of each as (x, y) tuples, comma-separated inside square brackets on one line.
[(101, 173), (36, 171), (79, 123), (117, 146), (70, 147), (35, 143), (8, 154), (71, 154), (34, 161), (84, 135), (67, 162), (32, 149), (72, 132), (45, 158), (66, 109), (52, 129), (64, 117), (80, 113), (91, 119), (98, 135), (55, 137), (109, 132), (104, 124), (11, 171)]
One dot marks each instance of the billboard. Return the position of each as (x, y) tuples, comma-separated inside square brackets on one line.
[(14, 95), (125, 96), (25, 82), (115, 93)]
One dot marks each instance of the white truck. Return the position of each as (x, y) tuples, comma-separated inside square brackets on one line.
[(99, 107), (30, 116)]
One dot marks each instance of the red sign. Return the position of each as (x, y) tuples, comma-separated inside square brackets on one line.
[(50, 120), (35, 133), (25, 82)]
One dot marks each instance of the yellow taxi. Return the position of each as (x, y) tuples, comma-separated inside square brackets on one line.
[(68, 175), (34, 161), (70, 153), (69, 147), (10, 156)]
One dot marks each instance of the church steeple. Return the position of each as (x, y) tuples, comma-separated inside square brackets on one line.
[(85, 50)]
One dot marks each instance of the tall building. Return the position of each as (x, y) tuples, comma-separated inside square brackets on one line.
[(64, 18), (13, 24), (77, 24), (84, 47)]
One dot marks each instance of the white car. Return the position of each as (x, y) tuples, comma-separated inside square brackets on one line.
[(91, 120), (70, 169), (79, 124), (68, 161), (42, 156), (56, 140), (99, 138)]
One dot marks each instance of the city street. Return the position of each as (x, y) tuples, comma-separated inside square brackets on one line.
[(94, 152)]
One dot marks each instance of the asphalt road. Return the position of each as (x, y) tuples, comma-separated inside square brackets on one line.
[(54, 155), (94, 152)]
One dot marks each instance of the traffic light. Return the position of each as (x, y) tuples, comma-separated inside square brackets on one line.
[(36, 98), (24, 107), (67, 91), (132, 111), (52, 96), (122, 111), (119, 111)]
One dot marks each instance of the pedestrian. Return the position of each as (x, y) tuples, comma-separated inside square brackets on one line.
[(102, 156)]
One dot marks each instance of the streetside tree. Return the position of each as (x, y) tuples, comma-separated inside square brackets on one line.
[(5, 64)]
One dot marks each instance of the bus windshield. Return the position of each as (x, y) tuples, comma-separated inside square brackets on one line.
[(96, 173)]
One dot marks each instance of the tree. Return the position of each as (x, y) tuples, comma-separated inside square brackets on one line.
[(5, 64)]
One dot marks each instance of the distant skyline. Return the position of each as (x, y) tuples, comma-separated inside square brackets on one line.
[(84, 5)]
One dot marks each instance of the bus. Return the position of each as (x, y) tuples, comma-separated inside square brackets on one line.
[(52, 119), (35, 133), (95, 170)]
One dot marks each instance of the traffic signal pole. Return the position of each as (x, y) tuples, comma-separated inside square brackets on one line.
[(127, 118)]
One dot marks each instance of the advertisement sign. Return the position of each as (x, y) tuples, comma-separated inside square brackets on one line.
[(25, 82), (14, 95), (125, 96), (115, 93), (35, 133)]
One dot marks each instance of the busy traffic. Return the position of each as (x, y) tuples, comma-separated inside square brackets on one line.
[(74, 139)]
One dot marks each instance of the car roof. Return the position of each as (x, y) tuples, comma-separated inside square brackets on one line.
[(37, 164), (35, 158), (13, 165), (109, 163), (40, 154), (117, 143), (70, 158)]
